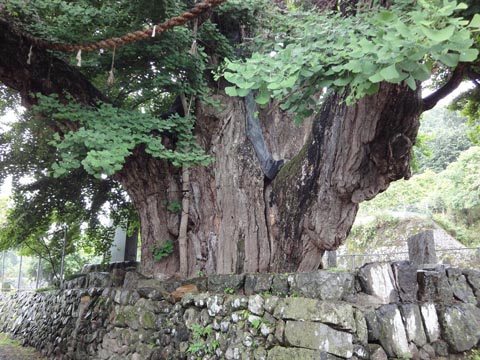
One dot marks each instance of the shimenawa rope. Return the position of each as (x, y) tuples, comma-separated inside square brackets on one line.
[(129, 38)]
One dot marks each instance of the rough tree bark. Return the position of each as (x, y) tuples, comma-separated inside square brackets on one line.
[(352, 154), (239, 220), (344, 156)]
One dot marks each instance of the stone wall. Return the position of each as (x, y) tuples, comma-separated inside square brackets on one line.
[(382, 311)]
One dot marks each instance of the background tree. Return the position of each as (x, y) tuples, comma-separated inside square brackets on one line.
[(445, 138), (468, 104), (462, 187), (355, 139), (41, 205), (450, 198)]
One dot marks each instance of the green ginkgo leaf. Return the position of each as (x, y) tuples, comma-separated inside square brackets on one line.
[(469, 55), (390, 73), (439, 35)]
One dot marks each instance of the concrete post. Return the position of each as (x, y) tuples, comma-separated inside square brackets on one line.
[(19, 283), (131, 246), (39, 272), (62, 264), (124, 247), (331, 258), (3, 269), (117, 250)]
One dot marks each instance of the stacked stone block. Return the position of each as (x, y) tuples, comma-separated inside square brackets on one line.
[(384, 310)]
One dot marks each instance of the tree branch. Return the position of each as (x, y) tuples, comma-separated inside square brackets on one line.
[(457, 77), (474, 76), (45, 74)]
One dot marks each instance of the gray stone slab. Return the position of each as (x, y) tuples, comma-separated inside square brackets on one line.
[(324, 285), (412, 319), (405, 274), (283, 353), (339, 314), (220, 283), (433, 285), (377, 280), (318, 336), (461, 289), (258, 283), (393, 337), (461, 326), (430, 321)]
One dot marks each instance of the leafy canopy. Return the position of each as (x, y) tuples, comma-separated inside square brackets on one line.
[(93, 147), (296, 56), (62, 174), (305, 52), (149, 75)]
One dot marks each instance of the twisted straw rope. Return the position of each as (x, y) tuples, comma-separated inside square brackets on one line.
[(116, 42)]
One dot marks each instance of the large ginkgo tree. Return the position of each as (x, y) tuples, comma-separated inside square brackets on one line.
[(244, 138)]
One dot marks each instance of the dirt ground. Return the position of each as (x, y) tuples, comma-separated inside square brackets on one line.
[(18, 352), (13, 350)]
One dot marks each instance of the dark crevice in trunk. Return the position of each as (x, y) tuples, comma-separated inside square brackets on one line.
[(266, 185), (253, 130)]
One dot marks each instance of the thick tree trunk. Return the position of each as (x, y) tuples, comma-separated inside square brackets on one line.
[(239, 221), (153, 185), (348, 154), (229, 212), (353, 153)]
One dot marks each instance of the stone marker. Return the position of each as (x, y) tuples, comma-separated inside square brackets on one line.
[(331, 257), (421, 248)]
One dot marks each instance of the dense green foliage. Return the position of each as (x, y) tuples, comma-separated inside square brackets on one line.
[(41, 204), (148, 77), (469, 105), (94, 148), (450, 197), (304, 53), (443, 137)]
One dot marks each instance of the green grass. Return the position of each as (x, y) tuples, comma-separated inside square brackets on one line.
[(5, 340), (473, 355)]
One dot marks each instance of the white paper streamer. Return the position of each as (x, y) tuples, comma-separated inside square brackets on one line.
[(79, 58), (29, 59)]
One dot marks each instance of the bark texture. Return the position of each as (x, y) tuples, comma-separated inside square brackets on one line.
[(245, 223), (229, 208), (353, 153), (239, 220), (153, 185)]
